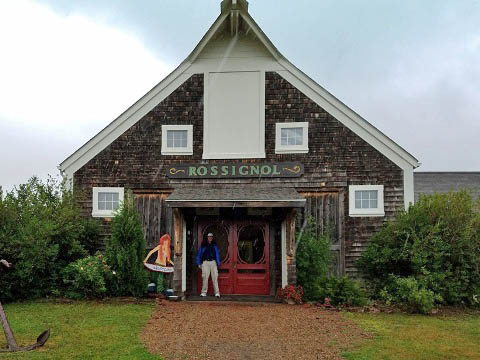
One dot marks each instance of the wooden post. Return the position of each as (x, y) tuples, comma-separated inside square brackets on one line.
[(178, 248)]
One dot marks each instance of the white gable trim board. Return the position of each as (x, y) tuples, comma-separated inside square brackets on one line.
[(195, 64)]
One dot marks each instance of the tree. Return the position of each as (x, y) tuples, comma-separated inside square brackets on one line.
[(125, 251)]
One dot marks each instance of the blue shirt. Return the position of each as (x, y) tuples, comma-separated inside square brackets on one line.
[(202, 250)]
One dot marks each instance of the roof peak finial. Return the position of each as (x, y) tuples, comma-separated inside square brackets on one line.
[(227, 5)]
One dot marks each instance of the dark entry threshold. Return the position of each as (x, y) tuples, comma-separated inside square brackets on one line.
[(241, 298)]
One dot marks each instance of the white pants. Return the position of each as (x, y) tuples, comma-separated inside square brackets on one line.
[(210, 268)]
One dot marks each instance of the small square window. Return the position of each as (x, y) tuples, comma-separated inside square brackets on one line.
[(291, 137), (366, 200), (177, 139), (105, 201)]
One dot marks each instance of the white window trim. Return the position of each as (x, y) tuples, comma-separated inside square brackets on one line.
[(105, 213), (291, 149), (177, 151), (354, 212)]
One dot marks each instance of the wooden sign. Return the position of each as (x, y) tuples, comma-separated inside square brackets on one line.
[(235, 170), (163, 259)]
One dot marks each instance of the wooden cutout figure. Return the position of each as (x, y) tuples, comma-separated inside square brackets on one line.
[(11, 342), (163, 255)]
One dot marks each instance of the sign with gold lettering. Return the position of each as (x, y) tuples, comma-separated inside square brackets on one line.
[(235, 170)]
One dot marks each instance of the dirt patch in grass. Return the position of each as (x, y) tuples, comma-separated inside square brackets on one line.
[(214, 330)]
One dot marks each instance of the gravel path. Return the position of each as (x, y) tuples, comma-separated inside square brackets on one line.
[(219, 330)]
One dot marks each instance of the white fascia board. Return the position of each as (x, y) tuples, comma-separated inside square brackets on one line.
[(207, 37), (125, 121), (261, 35)]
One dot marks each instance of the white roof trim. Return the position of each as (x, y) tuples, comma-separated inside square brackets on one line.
[(292, 74)]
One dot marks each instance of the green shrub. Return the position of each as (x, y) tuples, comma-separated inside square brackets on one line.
[(312, 259), (87, 278), (40, 225), (437, 242), (340, 291), (90, 237), (125, 251), (409, 294)]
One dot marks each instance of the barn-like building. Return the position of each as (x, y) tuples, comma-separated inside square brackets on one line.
[(239, 142)]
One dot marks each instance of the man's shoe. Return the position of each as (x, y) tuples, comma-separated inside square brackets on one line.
[(203, 295), (217, 295)]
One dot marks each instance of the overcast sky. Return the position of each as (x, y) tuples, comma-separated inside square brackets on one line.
[(68, 68)]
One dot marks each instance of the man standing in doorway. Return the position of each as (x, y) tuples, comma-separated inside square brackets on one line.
[(208, 259)]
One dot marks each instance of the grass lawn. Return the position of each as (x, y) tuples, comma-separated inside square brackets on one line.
[(400, 336), (79, 330)]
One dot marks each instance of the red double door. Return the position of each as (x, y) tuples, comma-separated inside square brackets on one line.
[(244, 254)]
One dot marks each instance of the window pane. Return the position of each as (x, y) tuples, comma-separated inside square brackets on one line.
[(183, 142), (101, 205), (101, 196), (373, 194), (358, 195), (358, 204), (177, 138), (299, 136), (373, 204), (365, 204), (108, 205), (115, 205), (115, 197)]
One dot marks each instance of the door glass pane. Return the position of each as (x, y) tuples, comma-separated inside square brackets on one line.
[(251, 245), (220, 236)]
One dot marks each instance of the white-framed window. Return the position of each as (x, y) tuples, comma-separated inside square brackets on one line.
[(366, 200), (177, 139), (291, 138), (106, 200)]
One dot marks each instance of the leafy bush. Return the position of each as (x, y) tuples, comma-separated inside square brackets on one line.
[(40, 225), (409, 294), (125, 251), (87, 278), (340, 291), (312, 258), (437, 242), (90, 236)]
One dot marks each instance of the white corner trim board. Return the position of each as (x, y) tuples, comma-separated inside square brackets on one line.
[(284, 253)]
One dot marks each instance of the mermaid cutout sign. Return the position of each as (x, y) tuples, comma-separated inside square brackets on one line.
[(162, 262)]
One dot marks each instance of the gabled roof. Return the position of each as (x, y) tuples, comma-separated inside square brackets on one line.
[(236, 12)]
